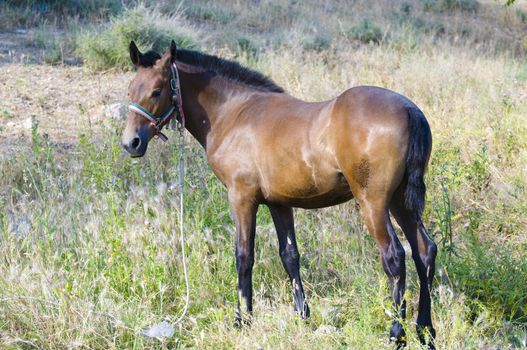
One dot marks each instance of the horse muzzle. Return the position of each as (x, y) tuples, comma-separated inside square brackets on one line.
[(136, 146)]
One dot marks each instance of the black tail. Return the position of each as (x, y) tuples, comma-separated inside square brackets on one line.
[(420, 144)]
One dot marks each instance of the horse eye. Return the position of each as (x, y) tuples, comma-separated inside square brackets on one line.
[(156, 93)]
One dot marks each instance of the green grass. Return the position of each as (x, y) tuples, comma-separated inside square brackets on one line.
[(108, 49)]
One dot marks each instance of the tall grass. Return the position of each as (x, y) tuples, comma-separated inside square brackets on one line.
[(90, 256)]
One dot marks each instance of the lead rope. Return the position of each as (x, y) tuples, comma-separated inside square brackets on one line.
[(160, 334), (181, 184), (178, 107)]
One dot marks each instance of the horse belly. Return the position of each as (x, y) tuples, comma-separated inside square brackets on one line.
[(310, 192)]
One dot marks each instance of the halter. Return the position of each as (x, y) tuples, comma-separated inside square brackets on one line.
[(177, 105)]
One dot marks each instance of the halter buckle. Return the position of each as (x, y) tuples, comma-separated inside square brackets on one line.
[(174, 85)]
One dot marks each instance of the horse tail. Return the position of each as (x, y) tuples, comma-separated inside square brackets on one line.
[(419, 147)]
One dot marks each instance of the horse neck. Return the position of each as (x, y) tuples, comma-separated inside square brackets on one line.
[(205, 97)]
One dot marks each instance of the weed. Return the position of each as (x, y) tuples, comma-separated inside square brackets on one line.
[(442, 212), (494, 276), (6, 113), (478, 171)]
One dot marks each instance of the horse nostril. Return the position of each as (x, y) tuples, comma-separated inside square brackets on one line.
[(136, 142)]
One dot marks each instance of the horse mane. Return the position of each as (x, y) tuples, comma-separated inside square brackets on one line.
[(226, 68)]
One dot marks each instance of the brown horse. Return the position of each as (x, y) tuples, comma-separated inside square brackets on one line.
[(270, 148)]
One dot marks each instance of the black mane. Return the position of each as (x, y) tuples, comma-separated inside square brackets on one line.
[(229, 69)]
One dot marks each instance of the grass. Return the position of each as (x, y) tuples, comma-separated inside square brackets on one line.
[(452, 5), (107, 26), (28, 13), (90, 258), (89, 253), (56, 46), (150, 29)]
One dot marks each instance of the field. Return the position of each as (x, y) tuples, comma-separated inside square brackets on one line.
[(89, 249)]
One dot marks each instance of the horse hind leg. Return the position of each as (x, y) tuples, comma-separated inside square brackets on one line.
[(424, 252), (393, 261), (373, 182)]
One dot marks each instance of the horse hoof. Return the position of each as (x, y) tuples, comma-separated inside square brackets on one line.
[(400, 343), (305, 312), (302, 309), (397, 335), (237, 322), (242, 322), (426, 335)]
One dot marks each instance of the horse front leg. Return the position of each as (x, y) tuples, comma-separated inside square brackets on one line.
[(285, 229), (244, 209)]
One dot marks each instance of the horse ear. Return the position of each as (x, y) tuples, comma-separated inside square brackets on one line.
[(135, 54), (173, 51)]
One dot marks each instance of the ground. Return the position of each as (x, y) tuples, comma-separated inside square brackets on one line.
[(60, 99)]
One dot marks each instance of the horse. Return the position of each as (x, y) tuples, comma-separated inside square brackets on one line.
[(270, 148)]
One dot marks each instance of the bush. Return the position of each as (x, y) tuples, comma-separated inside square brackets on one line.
[(109, 49), (318, 43), (366, 31), (451, 5)]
